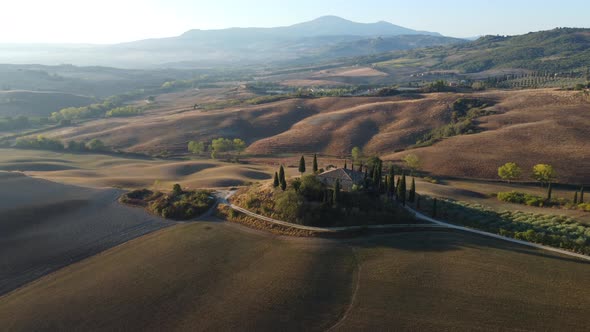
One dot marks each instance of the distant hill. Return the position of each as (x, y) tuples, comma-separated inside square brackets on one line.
[(322, 26), (557, 50), (238, 46)]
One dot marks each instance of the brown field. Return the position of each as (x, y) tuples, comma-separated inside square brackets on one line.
[(533, 126), (45, 226), (100, 171), (218, 276)]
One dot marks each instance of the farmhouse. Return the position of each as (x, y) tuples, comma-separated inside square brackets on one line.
[(347, 178)]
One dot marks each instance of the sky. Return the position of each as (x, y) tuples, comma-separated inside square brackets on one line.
[(113, 21)]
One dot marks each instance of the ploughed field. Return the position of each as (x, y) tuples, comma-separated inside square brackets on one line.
[(221, 276), (45, 226)]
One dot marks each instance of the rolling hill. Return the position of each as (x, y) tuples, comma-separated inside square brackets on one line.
[(530, 126)]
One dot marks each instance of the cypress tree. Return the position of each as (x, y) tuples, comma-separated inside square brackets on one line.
[(315, 163), (412, 195), (282, 179), (361, 167), (582, 195), (337, 192), (276, 182), (434, 208), (549, 192), (345, 165), (302, 165), (391, 188), (576, 198), (401, 190), (375, 176)]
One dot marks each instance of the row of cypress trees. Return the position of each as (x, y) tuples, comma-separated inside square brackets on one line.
[(302, 168)]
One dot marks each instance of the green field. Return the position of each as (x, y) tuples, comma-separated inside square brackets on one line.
[(218, 276)]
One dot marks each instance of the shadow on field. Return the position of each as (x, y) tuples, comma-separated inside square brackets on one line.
[(452, 240)]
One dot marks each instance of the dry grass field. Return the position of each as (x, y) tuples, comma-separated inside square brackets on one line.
[(129, 173), (45, 226), (529, 127), (218, 276)]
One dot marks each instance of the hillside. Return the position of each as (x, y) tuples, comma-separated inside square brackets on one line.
[(555, 51), (187, 278), (33, 103), (530, 126), (46, 226)]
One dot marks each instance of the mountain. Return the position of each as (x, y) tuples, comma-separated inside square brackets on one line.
[(323, 26), (237, 46)]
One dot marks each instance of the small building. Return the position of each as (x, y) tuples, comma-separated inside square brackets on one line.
[(347, 178)]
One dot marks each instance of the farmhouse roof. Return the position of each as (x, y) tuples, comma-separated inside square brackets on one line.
[(343, 175)]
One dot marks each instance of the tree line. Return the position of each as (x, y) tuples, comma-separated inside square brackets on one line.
[(217, 147)]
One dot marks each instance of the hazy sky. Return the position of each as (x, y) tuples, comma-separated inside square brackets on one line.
[(110, 21)]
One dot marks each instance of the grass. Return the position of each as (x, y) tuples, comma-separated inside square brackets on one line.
[(212, 276)]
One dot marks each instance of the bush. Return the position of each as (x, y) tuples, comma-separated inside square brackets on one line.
[(521, 198), (126, 111)]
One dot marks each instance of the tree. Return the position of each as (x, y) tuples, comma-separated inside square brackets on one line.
[(575, 198), (296, 184), (401, 190), (412, 162), (391, 175), (337, 192), (95, 145), (356, 155), (582, 195), (509, 171), (282, 180), (345, 165), (177, 190), (544, 173), (196, 147), (315, 163), (276, 182), (239, 145), (549, 191), (302, 165), (412, 194)]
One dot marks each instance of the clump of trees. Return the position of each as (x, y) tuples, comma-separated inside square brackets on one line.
[(546, 175), (463, 113), (45, 143), (218, 147), (180, 204), (125, 111)]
